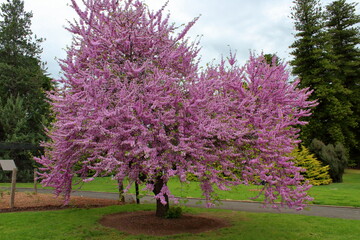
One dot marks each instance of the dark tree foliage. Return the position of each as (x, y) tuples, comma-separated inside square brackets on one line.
[(308, 47), (316, 63), (342, 24), (272, 58), (311, 62), (23, 108), (334, 156)]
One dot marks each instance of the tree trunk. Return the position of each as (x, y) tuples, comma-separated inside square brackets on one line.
[(161, 209), (121, 191), (137, 193)]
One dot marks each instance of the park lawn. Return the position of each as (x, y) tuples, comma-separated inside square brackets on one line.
[(346, 193), (77, 224)]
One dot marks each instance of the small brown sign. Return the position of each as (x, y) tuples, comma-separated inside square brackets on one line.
[(7, 165)]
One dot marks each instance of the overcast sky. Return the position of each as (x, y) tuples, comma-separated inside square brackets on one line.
[(242, 25)]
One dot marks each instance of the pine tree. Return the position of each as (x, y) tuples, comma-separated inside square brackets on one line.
[(344, 38), (272, 58), (309, 44), (23, 81), (314, 64)]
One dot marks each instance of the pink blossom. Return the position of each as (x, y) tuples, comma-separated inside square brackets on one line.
[(135, 105)]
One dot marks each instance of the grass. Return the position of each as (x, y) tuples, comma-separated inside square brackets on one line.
[(340, 194), (346, 193), (76, 224)]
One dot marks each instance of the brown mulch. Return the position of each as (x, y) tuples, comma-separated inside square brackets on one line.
[(145, 222), (138, 222), (29, 201)]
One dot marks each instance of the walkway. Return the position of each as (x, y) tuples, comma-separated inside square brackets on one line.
[(247, 206)]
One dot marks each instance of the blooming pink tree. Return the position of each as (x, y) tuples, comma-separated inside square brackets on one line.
[(134, 105)]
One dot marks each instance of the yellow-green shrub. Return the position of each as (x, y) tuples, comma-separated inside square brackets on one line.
[(316, 173)]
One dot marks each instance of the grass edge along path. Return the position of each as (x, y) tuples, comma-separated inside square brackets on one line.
[(74, 224), (335, 194)]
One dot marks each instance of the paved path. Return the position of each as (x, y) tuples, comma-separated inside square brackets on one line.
[(311, 210)]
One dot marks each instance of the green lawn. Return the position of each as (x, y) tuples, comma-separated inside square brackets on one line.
[(340, 194), (79, 224), (346, 193)]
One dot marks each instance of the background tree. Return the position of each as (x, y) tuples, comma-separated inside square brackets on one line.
[(23, 83), (270, 57), (344, 38), (133, 104), (333, 156), (314, 63), (309, 44)]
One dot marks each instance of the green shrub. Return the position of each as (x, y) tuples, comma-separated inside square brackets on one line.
[(5, 176), (174, 212), (22, 176), (25, 176), (334, 156), (316, 173)]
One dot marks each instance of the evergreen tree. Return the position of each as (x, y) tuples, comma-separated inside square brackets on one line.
[(314, 64), (333, 155), (315, 172), (344, 38), (23, 82), (309, 44), (272, 58)]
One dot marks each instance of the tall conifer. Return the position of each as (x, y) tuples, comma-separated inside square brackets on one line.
[(344, 38), (314, 63), (22, 80)]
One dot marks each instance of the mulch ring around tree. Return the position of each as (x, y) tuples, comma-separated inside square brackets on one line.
[(145, 222)]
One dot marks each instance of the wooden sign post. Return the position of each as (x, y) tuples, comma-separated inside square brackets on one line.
[(9, 165), (13, 187), (35, 180)]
